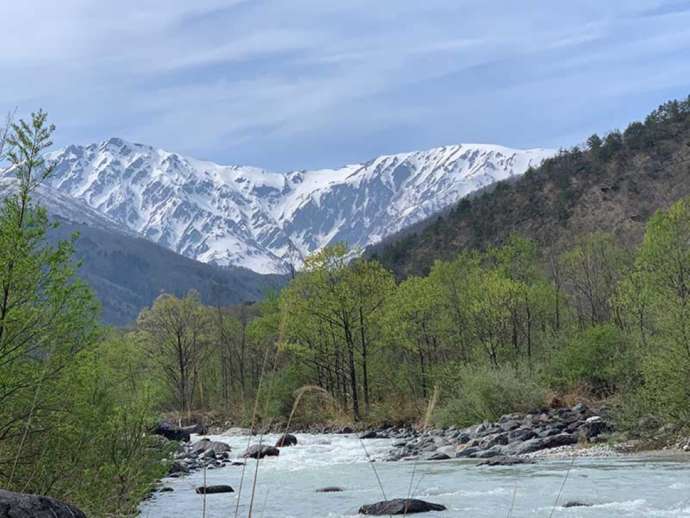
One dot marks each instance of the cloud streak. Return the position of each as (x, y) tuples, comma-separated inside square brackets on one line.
[(309, 83)]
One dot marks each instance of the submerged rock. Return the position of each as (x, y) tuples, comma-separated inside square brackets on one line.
[(259, 451), (505, 461), (575, 503), (400, 506), (330, 489), (286, 440), (20, 505), (371, 434), (209, 490)]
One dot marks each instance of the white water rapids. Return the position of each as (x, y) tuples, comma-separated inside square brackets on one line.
[(286, 487)]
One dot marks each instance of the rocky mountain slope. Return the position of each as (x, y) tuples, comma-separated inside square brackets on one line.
[(268, 221)]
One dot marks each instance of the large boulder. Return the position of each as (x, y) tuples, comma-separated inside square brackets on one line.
[(400, 506), (171, 431), (259, 451), (286, 440), (20, 505)]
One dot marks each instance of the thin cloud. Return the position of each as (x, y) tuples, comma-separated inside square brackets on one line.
[(308, 83)]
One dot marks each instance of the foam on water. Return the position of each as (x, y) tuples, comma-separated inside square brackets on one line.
[(615, 487)]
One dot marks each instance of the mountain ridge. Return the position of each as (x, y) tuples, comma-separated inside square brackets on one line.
[(270, 221)]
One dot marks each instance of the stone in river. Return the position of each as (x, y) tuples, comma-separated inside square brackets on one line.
[(400, 506), (439, 455), (330, 489), (575, 503), (286, 440), (209, 490), (259, 451)]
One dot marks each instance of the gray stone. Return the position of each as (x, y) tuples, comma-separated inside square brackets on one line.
[(399, 506), (259, 451), (210, 490), (20, 505)]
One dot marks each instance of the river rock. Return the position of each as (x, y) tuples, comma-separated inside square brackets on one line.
[(198, 428), (400, 506), (259, 451), (286, 440), (330, 489), (205, 445), (178, 467), (209, 490), (371, 434), (575, 503), (439, 455), (594, 426), (21, 505), (171, 432)]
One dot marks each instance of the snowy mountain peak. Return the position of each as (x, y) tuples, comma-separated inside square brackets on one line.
[(265, 220)]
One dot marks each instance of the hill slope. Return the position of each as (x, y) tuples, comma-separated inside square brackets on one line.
[(267, 221), (128, 272), (614, 185)]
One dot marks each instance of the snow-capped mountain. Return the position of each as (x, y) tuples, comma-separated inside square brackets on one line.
[(263, 220)]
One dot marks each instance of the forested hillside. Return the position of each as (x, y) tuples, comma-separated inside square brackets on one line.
[(127, 273), (613, 184)]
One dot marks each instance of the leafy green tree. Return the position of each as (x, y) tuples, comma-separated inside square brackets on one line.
[(591, 271), (663, 273), (175, 334), (46, 314)]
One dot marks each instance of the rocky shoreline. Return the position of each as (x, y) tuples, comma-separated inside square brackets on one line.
[(578, 431), (513, 435)]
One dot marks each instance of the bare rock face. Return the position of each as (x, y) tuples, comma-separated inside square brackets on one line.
[(20, 505), (400, 506)]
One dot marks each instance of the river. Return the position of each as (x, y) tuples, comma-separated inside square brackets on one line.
[(634, 486)]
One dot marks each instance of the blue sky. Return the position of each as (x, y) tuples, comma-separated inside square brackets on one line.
[(314, 83)]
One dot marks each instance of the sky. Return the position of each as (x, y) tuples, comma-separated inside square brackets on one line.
[(296, 84)]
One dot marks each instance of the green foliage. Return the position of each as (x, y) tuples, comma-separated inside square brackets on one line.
[(663, 310), (598, 358), (74, 411), (99, 451), (174, 332), (475, 394)]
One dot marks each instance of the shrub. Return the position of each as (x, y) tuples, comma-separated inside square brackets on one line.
[(483, 393), (596, 357)]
